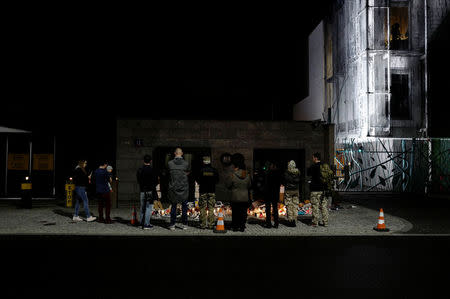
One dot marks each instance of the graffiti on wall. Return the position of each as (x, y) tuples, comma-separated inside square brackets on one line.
[(405, 165)]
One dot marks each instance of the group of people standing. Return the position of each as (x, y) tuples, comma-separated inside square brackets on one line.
[(268, 184), (237, 180), (241, 186), (178, 191), (101, 178)]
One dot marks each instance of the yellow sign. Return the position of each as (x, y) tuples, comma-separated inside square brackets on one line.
[(18, 161), (43, 162), (69, 194), (70, 187), (26, 186)]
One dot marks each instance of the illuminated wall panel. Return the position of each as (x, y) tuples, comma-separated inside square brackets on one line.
[(313, 106), (379, 80)]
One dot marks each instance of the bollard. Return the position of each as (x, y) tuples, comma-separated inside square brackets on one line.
[(26, 189), (70, 187)]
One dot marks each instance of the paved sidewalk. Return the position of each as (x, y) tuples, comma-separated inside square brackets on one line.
[(53, 219)]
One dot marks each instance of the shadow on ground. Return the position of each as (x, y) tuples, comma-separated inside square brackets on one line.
[(428, 215)]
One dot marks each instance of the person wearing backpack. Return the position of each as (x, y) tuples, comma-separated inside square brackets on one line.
[(178, 191), (317, 187)]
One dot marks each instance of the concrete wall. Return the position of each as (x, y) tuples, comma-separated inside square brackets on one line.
[(437, 11), (312, 107), (363, 67), (220, 136)]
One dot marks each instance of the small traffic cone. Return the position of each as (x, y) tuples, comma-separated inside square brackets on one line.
[(220, 227), (381, 226), (134, 218)]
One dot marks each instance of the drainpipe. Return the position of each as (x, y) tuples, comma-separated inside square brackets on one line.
[(427, 189), (411, 164), (54, 165), (30, 158), (426, 69), (367, 71), (6, 165), (403, 165)]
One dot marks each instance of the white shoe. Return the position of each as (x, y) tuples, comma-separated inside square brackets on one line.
[(182, 226), (77, 218), (90, 219)]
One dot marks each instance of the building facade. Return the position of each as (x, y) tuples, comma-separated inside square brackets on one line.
[(258, 141), (375, 90)]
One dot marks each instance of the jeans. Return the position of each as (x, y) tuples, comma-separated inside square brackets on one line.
[(173, 213), (148, 210), (81, 192)]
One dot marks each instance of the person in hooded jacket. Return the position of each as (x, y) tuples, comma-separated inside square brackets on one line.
[(239, 182), (81, 181), (291, 182), (178, 191)]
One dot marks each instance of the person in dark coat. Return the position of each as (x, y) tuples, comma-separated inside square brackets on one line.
[(164, 178), (259, 184), (239, 182), (178, 192), (319, 202), (81, 181), (273, 183), (147, 179), (103, 192)]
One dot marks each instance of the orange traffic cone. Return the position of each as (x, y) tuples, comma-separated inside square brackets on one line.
[(133, 218), (381, 226), (220, 227)]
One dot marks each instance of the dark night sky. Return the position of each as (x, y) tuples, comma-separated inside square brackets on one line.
[(72, 74), (64, 71), (234, 62)]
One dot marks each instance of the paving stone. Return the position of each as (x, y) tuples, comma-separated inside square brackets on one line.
[(54, 219)]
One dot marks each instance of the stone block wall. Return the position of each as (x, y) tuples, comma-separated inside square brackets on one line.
[(220, 136)]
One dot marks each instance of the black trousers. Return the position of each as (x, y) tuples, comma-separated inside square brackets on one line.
[(104, 202), (271, 204), (238, 214)]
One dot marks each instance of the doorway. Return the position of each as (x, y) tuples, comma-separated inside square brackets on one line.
[(262, 157)]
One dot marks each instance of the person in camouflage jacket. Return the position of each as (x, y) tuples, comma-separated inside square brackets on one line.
[(291, 190)]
